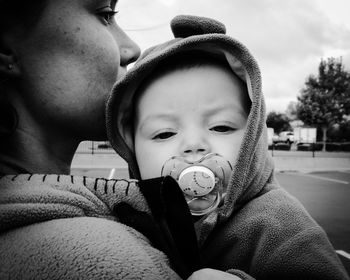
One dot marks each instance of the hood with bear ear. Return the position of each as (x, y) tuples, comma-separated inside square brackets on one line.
[(254, 166)]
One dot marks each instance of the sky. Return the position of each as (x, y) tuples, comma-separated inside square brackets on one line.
[(288, 38)]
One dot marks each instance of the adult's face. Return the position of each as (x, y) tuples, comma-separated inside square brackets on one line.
[(68, 64)]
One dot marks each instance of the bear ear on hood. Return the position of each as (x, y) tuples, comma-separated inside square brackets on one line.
[(191, 33), (184, 26)]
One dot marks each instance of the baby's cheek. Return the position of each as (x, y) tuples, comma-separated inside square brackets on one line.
[(149, 163), (234, 147)]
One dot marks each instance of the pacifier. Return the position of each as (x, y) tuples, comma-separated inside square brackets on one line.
[(203, 182)]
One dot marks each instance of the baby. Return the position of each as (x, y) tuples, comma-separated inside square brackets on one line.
[(196, 101)]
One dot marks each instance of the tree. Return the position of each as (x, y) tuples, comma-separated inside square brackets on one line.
[(325, 99), (339, 133), (291, 111), (278, 121)]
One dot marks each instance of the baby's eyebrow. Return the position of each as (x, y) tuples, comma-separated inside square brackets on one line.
[(223, 108), (159, 116)]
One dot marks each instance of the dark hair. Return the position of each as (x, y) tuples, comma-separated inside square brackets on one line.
[(20, 13), (14, 16)]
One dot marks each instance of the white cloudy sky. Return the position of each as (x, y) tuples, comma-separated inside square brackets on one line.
[(287, 37)]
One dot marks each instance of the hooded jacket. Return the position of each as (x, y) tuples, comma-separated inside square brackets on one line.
[(260, 231), (63, 227)]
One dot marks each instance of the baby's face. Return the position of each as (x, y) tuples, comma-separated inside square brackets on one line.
[(189, 113)]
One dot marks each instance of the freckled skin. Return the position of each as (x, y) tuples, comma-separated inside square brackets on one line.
[(67, 65)]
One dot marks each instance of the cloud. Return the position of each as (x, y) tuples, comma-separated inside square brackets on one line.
[(288, 38)]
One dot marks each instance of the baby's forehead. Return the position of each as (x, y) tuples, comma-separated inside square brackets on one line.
[(197, 63)]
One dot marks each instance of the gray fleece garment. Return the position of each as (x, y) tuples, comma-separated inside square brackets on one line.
[(260, 231), (62, 227)]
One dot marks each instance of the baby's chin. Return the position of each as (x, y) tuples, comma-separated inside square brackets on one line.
[(201, 203)]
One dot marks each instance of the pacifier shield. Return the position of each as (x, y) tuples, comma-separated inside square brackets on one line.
[(197, 180)]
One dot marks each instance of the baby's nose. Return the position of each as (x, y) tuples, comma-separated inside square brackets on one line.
[(195, 150), (195, 147)]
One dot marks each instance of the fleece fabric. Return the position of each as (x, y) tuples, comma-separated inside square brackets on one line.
[(62, 227), (260, 231)]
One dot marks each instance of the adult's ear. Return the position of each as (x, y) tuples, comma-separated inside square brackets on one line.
[(8, 60), (8, 66)]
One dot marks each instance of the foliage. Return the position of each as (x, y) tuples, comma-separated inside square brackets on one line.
[(325, 99), (278, 121), (339, 133), (291, 111)]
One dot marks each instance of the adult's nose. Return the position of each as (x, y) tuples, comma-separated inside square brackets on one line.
[(129, 50)]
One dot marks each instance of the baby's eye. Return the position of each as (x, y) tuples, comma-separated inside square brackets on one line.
[(163, 135), (222, 128)]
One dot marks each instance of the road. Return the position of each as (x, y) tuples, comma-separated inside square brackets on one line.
[(326, 196)]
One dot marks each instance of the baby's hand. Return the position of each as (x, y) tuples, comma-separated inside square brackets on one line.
[(209, 274)]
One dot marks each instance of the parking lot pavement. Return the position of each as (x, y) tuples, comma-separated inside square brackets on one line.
[(326, 196)]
